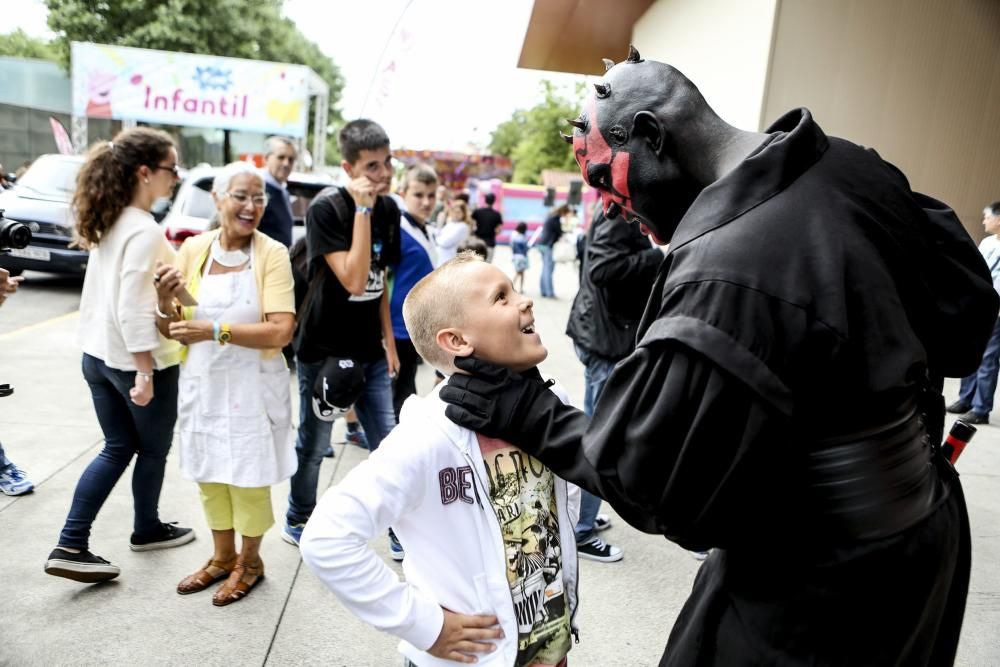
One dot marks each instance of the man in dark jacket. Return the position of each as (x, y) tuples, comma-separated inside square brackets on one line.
[(617, 272), (783, 403), (278, 219)]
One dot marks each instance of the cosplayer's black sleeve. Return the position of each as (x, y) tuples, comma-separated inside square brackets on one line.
[(673, 445)]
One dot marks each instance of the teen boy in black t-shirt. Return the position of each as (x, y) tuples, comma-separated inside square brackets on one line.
[(347, 316)]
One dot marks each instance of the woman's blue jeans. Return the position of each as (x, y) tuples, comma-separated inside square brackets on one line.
[(548, 267), (129, 430)]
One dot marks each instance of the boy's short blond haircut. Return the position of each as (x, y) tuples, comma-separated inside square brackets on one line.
[(436, 303), (419, 173)]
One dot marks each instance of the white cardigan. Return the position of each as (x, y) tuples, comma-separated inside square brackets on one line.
[(455, 554), (118, 303)]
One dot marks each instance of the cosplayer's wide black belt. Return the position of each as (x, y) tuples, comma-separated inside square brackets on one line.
[(873, 484)]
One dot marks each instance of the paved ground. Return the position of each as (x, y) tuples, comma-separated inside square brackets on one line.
[(49, 429)]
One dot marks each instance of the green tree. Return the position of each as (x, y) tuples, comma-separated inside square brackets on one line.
[(531, 137), (253, 29), (505, 138), (19, 44)]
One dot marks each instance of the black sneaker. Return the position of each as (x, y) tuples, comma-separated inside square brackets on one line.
[(169, 535), (958, 407), (973, 417), (84, 567), (596, 549)]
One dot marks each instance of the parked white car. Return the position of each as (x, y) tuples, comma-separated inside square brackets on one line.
[(192, 209)]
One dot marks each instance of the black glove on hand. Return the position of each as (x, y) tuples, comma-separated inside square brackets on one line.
[(493, 400)]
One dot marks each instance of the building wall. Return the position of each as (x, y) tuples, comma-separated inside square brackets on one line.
[(721, 45), (918, 80)]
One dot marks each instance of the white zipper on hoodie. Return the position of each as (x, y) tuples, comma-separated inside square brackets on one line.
[(560, 500), (566, 537)]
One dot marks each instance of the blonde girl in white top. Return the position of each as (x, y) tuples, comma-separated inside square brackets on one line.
[(457, 228)]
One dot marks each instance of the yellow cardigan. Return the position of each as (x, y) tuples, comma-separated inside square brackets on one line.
[(271, 268)]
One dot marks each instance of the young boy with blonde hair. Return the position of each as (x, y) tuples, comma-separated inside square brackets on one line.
[(491, 563)]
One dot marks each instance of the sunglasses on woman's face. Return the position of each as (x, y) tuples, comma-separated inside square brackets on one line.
[(173, 168)]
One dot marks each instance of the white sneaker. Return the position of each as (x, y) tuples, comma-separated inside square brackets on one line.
[(13, 481), (596, 549)]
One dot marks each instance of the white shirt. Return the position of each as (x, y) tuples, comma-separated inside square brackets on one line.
[(448, 238), (990, 248), (118, 303)]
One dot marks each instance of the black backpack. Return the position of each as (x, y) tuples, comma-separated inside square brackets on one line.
[(305, 289)]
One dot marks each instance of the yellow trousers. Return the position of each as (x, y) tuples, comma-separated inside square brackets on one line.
[(227, 507)]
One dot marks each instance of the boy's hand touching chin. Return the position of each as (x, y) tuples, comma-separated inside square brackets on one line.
[(493, 400), (463, 635)]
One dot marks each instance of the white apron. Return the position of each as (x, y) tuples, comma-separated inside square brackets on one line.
[(233, 407)]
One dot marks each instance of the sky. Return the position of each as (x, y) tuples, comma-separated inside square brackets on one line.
[(437, 74)]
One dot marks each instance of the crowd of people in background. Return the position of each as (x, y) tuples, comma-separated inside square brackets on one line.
[(192, 340)]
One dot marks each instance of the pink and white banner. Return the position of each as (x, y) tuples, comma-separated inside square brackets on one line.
[(187, 89)]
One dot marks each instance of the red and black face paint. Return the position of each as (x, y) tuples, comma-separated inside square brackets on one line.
[(603, 167)]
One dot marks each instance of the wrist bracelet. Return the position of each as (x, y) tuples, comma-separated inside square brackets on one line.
[(215, 330), (148, 376), (363, 210), (162, 314)]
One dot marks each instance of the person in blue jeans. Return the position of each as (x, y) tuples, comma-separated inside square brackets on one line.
[(619, 266), (13, 481), (551, 232), (352, 236), (130, 368), (975, 398)]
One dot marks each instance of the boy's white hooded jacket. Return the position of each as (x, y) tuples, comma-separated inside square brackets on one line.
[(428, 481)]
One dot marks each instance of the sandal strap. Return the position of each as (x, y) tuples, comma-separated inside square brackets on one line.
[(251, 570)]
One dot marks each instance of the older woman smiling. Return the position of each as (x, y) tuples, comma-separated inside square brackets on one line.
[(234, 407)]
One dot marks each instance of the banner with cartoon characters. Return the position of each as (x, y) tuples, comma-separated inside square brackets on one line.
[(187, 89)]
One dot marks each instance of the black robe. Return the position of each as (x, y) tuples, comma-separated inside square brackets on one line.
[(776, 323)]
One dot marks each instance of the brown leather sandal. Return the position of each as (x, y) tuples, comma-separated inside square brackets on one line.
[(202, 579), (235, 589)]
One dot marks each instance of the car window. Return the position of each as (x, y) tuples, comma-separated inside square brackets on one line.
[(199, 202), (51, 176), (302, 195)]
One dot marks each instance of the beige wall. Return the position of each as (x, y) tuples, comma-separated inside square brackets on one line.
[(721, 45), (918, 80)]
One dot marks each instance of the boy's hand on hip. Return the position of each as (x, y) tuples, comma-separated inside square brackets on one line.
[(463, 634)]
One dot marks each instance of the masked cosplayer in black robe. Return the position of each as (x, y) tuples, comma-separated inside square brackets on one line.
[(783, 399)]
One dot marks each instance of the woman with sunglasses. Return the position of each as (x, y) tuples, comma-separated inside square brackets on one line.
[(234, 402), (130, 368)]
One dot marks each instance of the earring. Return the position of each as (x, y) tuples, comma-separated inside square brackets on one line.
[(146, 181)]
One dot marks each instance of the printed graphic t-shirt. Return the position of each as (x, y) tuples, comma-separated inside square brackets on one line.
[(522, 492), (338, 323)]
